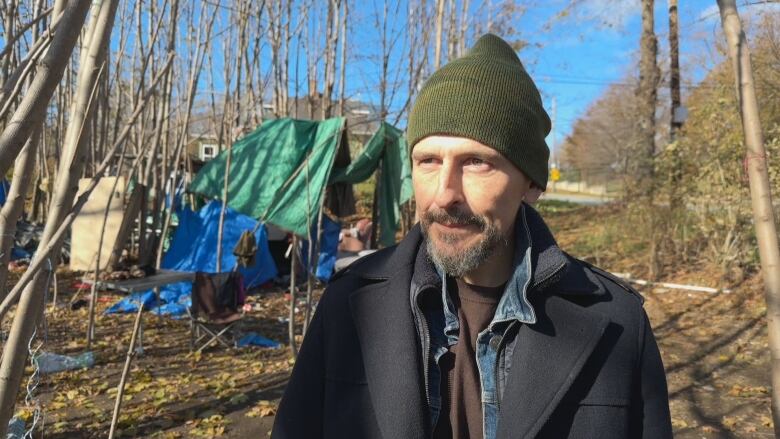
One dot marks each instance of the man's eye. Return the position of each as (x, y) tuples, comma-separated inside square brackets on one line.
[(475, 162)]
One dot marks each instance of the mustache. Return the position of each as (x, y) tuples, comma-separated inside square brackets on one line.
[(453, 217)]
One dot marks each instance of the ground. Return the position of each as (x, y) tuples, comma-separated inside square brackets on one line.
[(714, 348)]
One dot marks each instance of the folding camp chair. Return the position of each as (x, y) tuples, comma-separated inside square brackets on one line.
[(215, 314)]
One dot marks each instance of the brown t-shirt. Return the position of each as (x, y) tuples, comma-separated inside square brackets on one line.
[(461, 413)]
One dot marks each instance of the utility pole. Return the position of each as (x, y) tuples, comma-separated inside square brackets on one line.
[(554, 158), (674, 70), (677, 117)]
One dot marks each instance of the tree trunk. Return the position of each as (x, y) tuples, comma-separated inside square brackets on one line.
[(437, 43), (293, 289), (760, 192), (343, 66), (674, 89), (220, 229), (14, 204), (32, 109), (648, 94), (464, 25), (31, 302)]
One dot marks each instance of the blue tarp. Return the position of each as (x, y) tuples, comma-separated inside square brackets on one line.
[(19, 253), (4, 188), (131, 303), (328, 250), (253, 339), (193, 248)]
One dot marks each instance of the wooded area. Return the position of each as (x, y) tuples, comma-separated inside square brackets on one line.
[(136, 97)]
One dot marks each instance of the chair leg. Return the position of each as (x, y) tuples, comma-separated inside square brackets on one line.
[(192, 335), (237, 331), (215, 336)]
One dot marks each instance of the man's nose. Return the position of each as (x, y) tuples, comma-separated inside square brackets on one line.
[(450, 189)]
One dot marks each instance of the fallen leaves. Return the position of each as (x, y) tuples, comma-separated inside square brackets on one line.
[(748, 391), (262, 409), (211, 426), (730, 422)]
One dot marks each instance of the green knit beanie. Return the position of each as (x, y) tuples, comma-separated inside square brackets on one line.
[(486, 96)]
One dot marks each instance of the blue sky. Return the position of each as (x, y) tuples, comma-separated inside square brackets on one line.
[(599, 43), (574, 59)]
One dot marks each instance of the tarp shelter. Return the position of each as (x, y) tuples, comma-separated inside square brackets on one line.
[(194, 248), (386, 148), (194, 244), (279, 171)]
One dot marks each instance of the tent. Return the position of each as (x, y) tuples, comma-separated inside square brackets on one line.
[(386, 149), (278, 172), (272, 179)]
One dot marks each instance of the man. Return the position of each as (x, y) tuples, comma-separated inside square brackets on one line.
[(477, 325)]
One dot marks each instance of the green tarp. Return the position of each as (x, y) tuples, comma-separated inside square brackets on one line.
[(395, 182), (270, 177)]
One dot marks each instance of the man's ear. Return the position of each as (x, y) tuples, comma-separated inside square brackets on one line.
[(533, 194)]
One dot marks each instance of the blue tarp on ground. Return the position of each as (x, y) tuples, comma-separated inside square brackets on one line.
[(193, 248), (253, 339)]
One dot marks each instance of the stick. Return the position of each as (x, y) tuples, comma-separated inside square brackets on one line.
[(673, 286), (120, 390), (291, 323)]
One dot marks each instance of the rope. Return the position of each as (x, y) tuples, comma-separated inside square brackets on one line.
[(34, 381)]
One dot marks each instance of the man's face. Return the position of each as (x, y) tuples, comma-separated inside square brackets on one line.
[(467, 195)]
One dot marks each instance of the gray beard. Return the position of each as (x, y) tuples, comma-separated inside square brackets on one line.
[(459, 263)]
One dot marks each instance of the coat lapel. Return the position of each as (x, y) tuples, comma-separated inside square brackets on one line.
[(547, 358), (390, 348)]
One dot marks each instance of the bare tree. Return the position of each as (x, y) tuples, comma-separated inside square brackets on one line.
[(437, 42), (14, 204), (648, 94), (31, 304), (31, 110), (674, 89), (760, 190)]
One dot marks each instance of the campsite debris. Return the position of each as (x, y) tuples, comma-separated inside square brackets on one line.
[(253, 339), (48, 363), (16, 429), (131, 352), (81, 303), (245, 249)]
